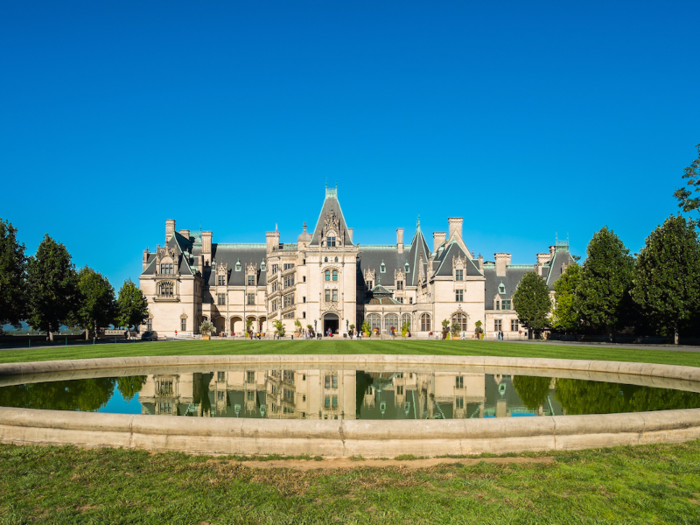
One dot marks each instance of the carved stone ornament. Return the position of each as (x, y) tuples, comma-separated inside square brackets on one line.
[(369, 275), (222, 269), (458, 262), (399, 275), (421, 271), (164, 253), (332, 222), (251, 268)]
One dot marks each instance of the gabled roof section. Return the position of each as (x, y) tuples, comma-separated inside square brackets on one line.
[(418, 250), (561, 258), (455, 249), (331, 216)]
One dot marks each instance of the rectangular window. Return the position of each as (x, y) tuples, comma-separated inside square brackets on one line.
[(335, 295), (497, 324), (328, 382), (399, 285), (183, 325), (166, 408), (250, 395), (288, 266), (221, 298), (459, 275), (289, 281), (410, 300), (335, 401), (399, 390), (251, 280), (369, 285), (506, 304), (221, 396), (288, 376), (330, 242), (288, 300), (327, 403), (251, 298), (459, 382), (250, 377), (335, 381), (459, 296), (459, 402), (513, 325), (400, 299), (275, 268), (304, 279), (221, 377), (498, 305), (303, 315), (222, 280), (328, 296)]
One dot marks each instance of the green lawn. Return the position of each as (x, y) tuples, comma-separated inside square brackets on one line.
[(426, 347), (644, 484)]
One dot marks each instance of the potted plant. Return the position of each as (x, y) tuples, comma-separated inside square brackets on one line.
[(365, 328), (206, 328), (445, 328), (455, 330), (248, 331), (279, 328), (479, 331), (297, 328), (404, 330), (352, 330)]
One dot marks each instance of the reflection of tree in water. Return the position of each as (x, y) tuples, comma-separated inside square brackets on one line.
[(86, 395), (130, 386), (362, 382), (532, 391), (588, 397)]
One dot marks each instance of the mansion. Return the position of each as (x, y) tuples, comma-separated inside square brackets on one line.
[(330, 281)]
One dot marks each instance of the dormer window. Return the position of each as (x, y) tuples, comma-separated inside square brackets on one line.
[(459, 275), (399, 285), (330, 241), (166, 269), (382, 268), (251, 280), (501, 289), (222, 280), (407, 268), (263, 266), (369, 285), (238, 265)]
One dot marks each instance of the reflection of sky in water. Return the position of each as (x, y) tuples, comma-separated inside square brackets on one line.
[(118, 405)]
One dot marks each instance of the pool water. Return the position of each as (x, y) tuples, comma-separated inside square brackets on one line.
[(343, 394)]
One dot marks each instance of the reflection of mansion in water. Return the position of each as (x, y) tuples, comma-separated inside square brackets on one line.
[(335, 394), (328, 280)]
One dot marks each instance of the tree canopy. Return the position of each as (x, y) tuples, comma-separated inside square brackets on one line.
[(97, 306), (565, 316), (666, 281), (51, 284), (606, 277), (686, 201), (132, 306), (532, 390), (531, 301), (13, 274)]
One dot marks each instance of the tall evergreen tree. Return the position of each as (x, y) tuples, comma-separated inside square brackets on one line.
[(666, 281), (51, 285), (565, 316), (132, 306), (606, 277), (13, 277), (97, 304), (532, 303)]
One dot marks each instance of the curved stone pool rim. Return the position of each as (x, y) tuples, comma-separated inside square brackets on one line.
[(344, 438)]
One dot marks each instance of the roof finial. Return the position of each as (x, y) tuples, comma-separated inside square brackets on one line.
[(418, 222), (326, 179)]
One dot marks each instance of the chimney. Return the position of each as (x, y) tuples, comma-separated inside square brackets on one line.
[(206, 248), (185, 234), (169, 229), (145, 259), (552, 250), (542, 259), (350, 230), (438, 239), (273, 241), (481, 262), (399, 239), (502, 260), (455, 226)]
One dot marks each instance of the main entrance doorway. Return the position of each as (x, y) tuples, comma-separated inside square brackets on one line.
[(332, 322)]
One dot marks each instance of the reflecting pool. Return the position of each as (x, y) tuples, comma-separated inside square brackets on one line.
[(343, 394)]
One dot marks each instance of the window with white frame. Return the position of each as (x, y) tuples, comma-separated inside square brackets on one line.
[(251, 298), (514, 325), (221, 299), (425, 323), (251, 280), (330, 241), (183, 325), (459, 275), (459, 296), (497, 325)]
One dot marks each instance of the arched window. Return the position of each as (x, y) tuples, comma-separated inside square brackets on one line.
[(336, 259), (406, 320), (391, 321), (325, 259), (461, 320), (165, 289), (425, 324), (335, 275), (375, 321), (328, 275)]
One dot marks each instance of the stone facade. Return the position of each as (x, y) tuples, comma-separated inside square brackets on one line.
[(329, 281)]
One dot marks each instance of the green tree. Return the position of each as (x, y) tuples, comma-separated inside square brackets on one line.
[(97, 305), (532, 390), (13, 277), (130, 386), (206, 328), (686, 201), (606, 276), (51, 286), (666, 279), (279, 327), (532, 303), (565, 316), (365, 328), (132, 306)]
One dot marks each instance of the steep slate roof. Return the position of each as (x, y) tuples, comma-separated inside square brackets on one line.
[(372, 256), (182, 247), (444, 260), (417, 248), (331, 204), (231, 254), (561, 257)]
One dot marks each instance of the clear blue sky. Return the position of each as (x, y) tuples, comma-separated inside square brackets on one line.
[(526, 118)]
